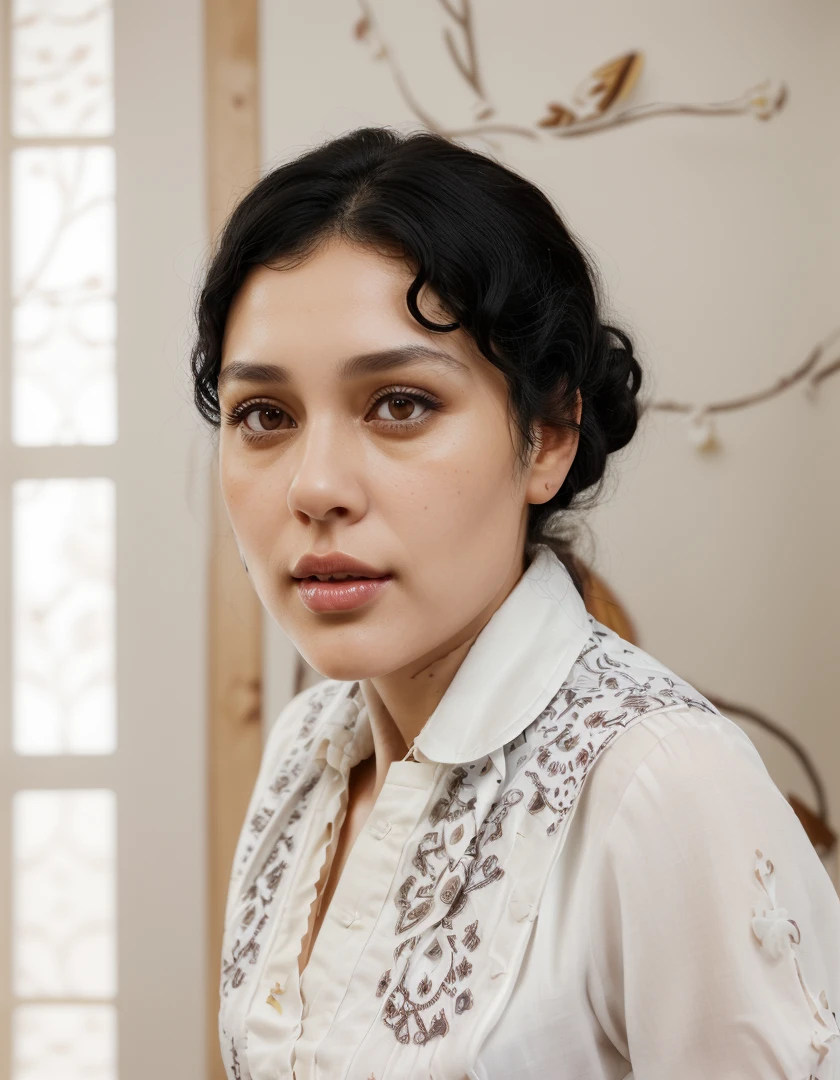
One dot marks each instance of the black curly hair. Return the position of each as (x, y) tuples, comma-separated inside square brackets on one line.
[(495, 251)]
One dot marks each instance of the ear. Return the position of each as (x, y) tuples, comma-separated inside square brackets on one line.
[(553, 457)]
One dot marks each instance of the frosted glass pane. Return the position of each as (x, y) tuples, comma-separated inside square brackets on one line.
[(63, 894), (64, 694), (62, 61), (63, 280), (64, 1042)]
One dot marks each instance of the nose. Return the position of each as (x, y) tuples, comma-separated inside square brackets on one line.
[(325, 474)]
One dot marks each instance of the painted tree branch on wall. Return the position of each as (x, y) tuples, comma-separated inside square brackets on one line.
[(592, 110), (821, 363)]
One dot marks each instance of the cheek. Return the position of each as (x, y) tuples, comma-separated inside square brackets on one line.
[(465, 485), (254, 504)]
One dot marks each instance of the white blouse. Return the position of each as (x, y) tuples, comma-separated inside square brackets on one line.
[(522, 904)]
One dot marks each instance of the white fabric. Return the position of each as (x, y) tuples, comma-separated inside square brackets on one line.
[(588, 875)]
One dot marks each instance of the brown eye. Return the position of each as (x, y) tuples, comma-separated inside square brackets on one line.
[(270, 419), (401, 408), (397, 407)]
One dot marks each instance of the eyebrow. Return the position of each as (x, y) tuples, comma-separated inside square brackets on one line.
[(363, 364)]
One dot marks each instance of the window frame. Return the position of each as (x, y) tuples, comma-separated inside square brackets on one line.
[(161, 464)]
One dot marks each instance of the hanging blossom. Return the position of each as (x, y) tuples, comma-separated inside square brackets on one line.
[(702, 431)]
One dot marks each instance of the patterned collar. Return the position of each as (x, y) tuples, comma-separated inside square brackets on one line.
[(523, 653)]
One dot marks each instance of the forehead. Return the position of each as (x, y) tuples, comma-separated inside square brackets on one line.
[(340, 296), (338, 287)]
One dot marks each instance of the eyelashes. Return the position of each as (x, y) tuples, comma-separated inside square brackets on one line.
[(237, 416)]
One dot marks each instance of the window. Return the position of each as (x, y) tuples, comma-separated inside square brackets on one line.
[(102, 543)]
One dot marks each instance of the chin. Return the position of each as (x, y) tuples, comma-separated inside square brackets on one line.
[(347, 665)]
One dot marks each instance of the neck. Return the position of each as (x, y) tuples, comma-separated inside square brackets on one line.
[(400, 702)]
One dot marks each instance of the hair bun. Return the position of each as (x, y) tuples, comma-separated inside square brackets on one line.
[(613, 398), (610, 412)]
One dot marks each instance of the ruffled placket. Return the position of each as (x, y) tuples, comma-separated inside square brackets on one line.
[(273, 1023), (274, 873)]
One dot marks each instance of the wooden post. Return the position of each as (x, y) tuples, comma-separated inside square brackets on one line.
[(234, 730)]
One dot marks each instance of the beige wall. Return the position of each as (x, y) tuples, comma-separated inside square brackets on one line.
[(718, 240)]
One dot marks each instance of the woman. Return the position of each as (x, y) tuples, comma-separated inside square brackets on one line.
[(496, 841)]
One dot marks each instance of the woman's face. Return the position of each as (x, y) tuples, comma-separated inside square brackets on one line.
[(406, 462)]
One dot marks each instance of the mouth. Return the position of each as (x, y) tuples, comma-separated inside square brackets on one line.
[(322, 593), (343, 577)]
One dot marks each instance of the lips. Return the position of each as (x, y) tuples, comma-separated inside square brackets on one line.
[(326, 596), (365, 581), (337, 578), (335, 562)]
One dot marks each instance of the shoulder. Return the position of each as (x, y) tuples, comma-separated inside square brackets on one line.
[(663, 733), (657, 745), (694, 791), (680, 809), (611, 672), (681, 760), (615, 705)]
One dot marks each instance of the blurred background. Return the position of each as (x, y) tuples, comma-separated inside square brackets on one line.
[(692, 147)]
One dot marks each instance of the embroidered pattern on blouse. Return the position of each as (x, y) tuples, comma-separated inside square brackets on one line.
[(778, 935), (234, 1057), (259, 897), (611, 685)]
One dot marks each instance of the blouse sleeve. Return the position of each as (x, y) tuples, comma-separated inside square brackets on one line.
[(715, 929)]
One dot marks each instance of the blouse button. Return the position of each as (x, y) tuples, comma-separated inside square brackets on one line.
[(378, 829)]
